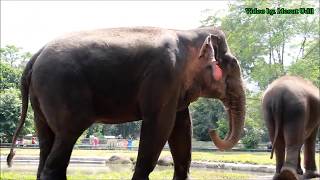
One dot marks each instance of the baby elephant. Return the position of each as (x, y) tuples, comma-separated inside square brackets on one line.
[(291, 109)]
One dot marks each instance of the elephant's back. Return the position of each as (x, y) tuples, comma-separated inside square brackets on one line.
[(126, 49), (115, 37), (293, 84), (290, 89), (112, 47)]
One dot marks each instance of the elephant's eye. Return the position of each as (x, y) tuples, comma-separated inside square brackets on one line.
[(209, 67), (234, 62)]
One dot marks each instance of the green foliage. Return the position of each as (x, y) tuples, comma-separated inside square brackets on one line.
[(269, 47), (126, 130), (14, 56), (10, 115), (10, 54), (9, 76), (263, 43), (254, 112), (95, 129), (223, 127), (10, 100), (264, 73), (308, 66), (205, 113), (252, 134)]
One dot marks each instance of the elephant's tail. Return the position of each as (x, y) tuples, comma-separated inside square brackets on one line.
[(274, 141), (277, 117), (24, 88)]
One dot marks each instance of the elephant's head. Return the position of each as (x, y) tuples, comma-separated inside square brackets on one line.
[(221, 78)]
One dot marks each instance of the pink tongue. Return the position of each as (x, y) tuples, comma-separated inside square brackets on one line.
[(217, 72)]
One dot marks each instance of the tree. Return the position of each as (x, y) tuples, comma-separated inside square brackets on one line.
[(9, 76), (10, 54), (14, 56), (10, 115), (263, 42), (205, 115), (308, 66), (268, 47), (25, 57), (254, 113), (95, 129), (252, 134), (10, 100), (223, 127), (126, 130)]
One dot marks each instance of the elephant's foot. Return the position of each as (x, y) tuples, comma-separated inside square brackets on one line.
[(288, 173), (311, 174)]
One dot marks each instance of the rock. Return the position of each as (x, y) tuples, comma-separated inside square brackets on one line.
[(115, 159), (165, 161)]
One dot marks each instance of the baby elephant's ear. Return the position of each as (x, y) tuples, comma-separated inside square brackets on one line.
[(207, 51)]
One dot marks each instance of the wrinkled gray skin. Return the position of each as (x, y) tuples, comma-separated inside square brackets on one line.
[(291, 108), (127, 74)]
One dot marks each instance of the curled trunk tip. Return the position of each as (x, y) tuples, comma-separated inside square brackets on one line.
[(221, 144)]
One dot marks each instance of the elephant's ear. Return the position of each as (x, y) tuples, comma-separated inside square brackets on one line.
[(215, 40), (209, 47), (207, 51)]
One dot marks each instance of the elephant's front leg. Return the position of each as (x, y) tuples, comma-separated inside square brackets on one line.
[(309, 156), (180, 144), (155, 130)]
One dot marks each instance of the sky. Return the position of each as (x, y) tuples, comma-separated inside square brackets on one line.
[(31, 24)]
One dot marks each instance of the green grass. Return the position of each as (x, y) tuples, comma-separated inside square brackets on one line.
[(240, 157), (234, 157), (156, 175), (230, 157)]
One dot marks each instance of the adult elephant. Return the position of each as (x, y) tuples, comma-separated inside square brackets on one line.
[(291, 112), (127, 74)]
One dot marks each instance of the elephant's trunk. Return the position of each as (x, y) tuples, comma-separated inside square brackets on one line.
[(235, 105)]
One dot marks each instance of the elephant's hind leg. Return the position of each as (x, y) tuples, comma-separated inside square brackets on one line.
[(309, 156), (293, 131), (45, 135), (65, 137), (58, 159), (280, 154), (46, 139), (279, 146), (180, 145)]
